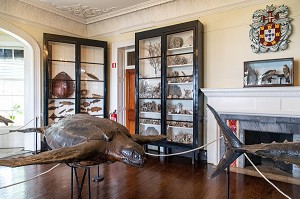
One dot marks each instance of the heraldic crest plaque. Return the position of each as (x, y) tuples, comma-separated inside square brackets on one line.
[(270, 29)]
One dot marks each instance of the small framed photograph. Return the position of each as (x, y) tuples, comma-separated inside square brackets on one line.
[(272, 72)]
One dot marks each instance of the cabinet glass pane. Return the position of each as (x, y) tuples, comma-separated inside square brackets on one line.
[(59, 108), (180, 42), (91, 89), (92, 72), (150, 47), (61, 51), (181, 110), (149, 88), (150, 67), (149, 129), (92, 106), (92, 54), (180, 135), (58, 67)]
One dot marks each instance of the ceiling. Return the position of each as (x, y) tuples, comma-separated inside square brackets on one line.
[(90, 11)]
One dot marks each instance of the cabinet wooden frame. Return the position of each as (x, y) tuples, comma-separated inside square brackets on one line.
[(79, 62), (161, 122)]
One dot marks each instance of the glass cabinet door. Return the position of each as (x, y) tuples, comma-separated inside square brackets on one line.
[(92, 80), (179, 87), (149, 85), (61, 77)]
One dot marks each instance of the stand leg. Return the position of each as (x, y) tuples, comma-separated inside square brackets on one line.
[(98, 178), (89, 181), (228, 182), (72, 171)]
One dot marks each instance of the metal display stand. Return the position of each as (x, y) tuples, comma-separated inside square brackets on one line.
[(228, 182), (99, 177), (80, 186), (36, 136)]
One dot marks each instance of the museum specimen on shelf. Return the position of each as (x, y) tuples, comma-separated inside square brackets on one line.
[(62, 85), (270, 72), (84, 140), (288, 152)]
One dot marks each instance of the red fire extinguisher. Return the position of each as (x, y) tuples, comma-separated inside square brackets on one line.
[(113, 115)]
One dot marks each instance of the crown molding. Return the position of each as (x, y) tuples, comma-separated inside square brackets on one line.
[(141, 6), (55, 10)]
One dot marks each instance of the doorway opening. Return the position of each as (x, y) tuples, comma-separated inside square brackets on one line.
[(21, 86)]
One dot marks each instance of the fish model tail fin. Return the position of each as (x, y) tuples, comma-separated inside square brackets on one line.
[(233, 145), (5, 120)]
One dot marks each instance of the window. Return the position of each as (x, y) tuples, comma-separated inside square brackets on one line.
[(12, 84)]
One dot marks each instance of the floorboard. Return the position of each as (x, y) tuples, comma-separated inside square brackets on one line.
[(174, 178)]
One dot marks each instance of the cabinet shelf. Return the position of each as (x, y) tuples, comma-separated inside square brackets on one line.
[(150, 78), (94, 63), (179, 98), (179, 127), (55, 60), (144, 112), (179, 66), (143, 58), (181, 49), (144, 124), (179, 83), (185, 115)]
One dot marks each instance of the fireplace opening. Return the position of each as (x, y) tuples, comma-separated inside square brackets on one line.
[(255, 137)]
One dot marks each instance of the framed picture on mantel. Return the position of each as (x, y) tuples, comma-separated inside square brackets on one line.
[(272, 72)]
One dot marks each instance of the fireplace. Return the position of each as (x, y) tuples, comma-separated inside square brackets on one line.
[(263, 105), (252, 129)]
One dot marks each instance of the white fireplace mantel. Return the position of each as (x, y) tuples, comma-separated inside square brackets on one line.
[(269, 101)]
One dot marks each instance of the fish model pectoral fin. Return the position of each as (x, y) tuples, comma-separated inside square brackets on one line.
[(229, 157)]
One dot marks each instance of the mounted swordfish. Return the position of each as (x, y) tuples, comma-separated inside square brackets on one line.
[(288, 152), (84, 140)]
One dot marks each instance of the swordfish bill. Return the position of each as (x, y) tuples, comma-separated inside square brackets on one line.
[(288, 152)]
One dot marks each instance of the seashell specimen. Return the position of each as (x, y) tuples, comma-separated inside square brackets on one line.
[(62, 85)]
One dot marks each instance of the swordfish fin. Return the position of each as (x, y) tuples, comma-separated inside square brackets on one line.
[(228, 158), (232, 140), (233, 145)]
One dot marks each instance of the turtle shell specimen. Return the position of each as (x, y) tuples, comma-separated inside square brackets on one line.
[(84, 140), (62, 85)]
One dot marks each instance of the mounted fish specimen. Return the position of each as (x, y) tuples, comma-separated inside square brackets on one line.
[(62, 111), (52, 107), (53, 116), (85, 104), (97, 96), (68, 103), (5, 120), (69, 110), (95, 101), (62, 85), (268, 76), (84, 140), (51, 101), (90, 75), (94, 109), (288, 151)]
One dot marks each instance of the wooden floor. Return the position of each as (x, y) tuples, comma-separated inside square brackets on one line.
[(168, 179)]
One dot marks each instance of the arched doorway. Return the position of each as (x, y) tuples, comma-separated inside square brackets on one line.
[(32, 81)]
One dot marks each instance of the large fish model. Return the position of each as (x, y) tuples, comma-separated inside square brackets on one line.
[(5, 120), (288, 152), (84, 140)]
